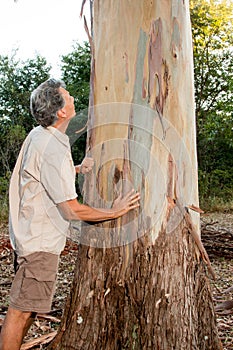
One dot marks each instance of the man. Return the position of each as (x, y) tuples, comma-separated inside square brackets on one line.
[(42, 202)]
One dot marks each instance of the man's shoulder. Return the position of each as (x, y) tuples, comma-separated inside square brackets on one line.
[(40, 138), (38, 131)]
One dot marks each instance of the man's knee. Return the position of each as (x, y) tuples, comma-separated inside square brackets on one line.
[(20, 316), (27, 316)]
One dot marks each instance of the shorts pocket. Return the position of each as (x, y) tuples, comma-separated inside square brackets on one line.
[(38, 286)]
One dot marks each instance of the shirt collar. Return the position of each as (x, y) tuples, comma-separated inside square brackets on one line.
[(60, 136)]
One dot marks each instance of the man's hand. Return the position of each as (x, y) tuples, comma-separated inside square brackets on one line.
[(86, 166), (128, 202)]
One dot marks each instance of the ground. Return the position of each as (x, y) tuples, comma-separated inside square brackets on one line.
[(215, 226), (217, 236)]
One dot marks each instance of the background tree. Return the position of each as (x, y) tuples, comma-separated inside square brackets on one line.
[(140, 282), (212, 24), (17, 80)]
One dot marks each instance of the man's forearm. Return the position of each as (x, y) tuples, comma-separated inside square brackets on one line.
[(86, 213), (73, 211)]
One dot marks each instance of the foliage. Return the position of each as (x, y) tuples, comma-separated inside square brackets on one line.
[(213, 70), (13, 136), (17, 80)]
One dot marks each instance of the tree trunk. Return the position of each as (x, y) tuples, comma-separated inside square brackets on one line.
[(141, 281)]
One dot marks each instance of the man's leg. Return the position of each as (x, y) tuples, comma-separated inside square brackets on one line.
[(15, 327)]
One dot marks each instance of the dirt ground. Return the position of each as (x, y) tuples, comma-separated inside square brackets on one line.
[(46, 325), (221, 225)]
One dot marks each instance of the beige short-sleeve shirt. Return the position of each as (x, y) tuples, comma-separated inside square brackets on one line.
[(44, 175)]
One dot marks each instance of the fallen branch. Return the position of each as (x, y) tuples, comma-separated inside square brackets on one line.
[(44, 339), (48, 317), (228, 290)]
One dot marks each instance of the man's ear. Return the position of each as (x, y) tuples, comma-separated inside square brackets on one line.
[(61, 113)]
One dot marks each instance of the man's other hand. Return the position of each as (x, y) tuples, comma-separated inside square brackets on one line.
[(86, 166)]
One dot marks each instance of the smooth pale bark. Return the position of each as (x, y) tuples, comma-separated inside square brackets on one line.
[(140, 281)]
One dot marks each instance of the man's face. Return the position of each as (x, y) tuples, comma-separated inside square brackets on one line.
[(69, 108)]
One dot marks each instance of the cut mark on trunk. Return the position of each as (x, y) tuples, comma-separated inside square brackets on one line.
[(125, 57), (176, 40)]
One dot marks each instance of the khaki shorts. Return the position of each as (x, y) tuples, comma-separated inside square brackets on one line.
[(34, 283)]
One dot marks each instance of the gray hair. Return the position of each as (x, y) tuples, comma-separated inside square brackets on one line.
[(46, 100)]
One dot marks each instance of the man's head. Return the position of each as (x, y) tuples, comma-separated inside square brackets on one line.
[(47, 100)]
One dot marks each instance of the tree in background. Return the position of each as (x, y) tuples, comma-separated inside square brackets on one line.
[(212, 25), (17, 80)]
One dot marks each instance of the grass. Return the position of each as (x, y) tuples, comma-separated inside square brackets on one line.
[(216, 204)]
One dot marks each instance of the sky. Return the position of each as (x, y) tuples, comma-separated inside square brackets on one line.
[(45, 27)]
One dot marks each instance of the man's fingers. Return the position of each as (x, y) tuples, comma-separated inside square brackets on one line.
[(132, 198), (87, 164), (134, 206), (135, 198), (129, 194), (134, 201)]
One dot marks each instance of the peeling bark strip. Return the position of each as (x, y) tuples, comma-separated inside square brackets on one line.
[(158, 70), (152, 293)]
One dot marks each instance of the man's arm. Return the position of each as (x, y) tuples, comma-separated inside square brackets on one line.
[(73, 210)]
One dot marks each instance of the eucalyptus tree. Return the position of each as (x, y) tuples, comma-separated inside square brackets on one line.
[(141, 281)]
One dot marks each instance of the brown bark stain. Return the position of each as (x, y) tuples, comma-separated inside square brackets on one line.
[(155, 83)]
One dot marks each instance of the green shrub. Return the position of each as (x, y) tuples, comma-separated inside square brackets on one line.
[(216, 189)]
